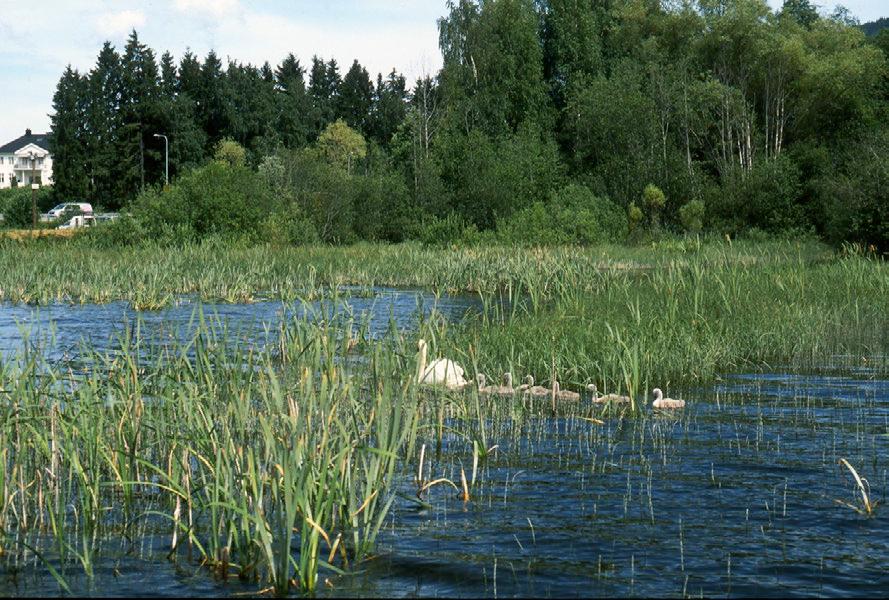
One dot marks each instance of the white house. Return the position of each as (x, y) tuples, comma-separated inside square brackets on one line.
[(27, 160)]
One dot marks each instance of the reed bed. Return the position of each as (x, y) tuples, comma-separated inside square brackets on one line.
[(281, 464), (271, 464), (265, 465), (45, 271)]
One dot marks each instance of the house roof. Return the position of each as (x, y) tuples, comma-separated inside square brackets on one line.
[(38, 139)]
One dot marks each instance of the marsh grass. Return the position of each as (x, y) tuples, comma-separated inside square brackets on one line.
[(243, 452), (282, 463)]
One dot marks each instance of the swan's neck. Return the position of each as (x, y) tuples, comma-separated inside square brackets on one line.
[(421, 368)]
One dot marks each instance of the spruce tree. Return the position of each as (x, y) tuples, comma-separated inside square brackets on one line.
[(103, 125), (139, 158), (356, 98), (169, 77), (295, 117), (389, 107), (68, 143), (324, 87), (210, 99)]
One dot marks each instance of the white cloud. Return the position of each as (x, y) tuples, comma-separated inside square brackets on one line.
[(255, 37), (214, 8), (120, 23)]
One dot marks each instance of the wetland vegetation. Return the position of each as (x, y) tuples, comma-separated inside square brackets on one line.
[(632, 194), (308, 459)]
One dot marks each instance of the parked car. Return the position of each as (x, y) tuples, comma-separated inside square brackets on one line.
[(61, 209)]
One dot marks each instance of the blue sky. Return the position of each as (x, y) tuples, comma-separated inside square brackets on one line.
[(39, 38)]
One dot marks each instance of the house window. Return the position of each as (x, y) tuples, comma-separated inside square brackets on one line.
[(2, 178)]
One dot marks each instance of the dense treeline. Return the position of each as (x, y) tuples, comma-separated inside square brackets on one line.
[(551, 120), (875, 27)]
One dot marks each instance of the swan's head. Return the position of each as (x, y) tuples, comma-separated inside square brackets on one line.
[(591, 388), (481, 379), (421, 345), (507, 378), (529, 379), (658, 394)]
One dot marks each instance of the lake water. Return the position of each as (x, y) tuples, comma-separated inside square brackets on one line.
[(59, 329), (734, 496)]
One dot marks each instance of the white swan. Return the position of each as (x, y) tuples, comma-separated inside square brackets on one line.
[(442, 371), (661, 402), (597, 399)]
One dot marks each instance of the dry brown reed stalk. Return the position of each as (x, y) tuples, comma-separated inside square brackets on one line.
[(869, 506), (464, 495)]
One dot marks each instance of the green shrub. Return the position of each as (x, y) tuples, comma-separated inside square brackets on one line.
[(692, 216), (231, 153), (15, 205), (382, 206), (573, 215), (768, 197), (288, 227), (124, 231), (655, 201), (634, 216), (216, 199), (438, 231)]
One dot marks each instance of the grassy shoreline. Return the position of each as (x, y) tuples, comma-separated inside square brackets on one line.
[(675, 312)]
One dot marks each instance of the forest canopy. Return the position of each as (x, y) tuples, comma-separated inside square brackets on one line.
[(742, 118)]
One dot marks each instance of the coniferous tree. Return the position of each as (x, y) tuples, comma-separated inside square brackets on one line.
[(250, 109), (68, 143), (389, 107), (103, 125), (189, 81), (355, 98), (210, 101), (169, 76), (177, 113), (324, 88), (138, 158), (295, 114)]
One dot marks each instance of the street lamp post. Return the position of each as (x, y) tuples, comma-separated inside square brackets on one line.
[(34, 187), (166, 157)]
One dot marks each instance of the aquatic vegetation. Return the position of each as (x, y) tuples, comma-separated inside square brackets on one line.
[(285, 462)]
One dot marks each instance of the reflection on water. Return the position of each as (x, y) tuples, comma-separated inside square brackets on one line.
[(735, 496), (59, 329)]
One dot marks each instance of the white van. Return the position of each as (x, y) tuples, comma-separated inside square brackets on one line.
[(59, 210)]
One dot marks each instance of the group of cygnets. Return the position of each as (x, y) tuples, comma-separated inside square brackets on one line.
[(446, 373)]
